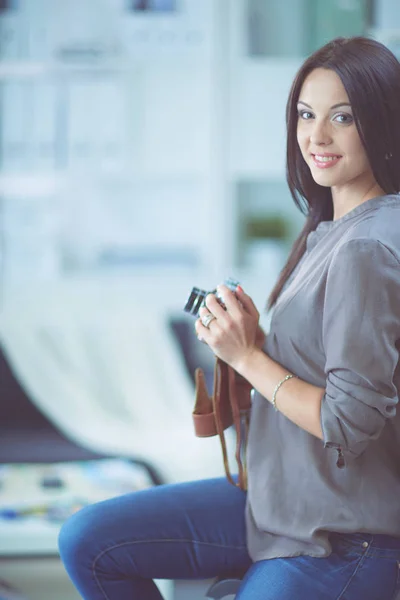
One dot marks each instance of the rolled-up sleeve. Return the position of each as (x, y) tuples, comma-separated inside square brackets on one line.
[(361, 332)]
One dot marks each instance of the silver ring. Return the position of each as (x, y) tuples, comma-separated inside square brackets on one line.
[(206, 319)]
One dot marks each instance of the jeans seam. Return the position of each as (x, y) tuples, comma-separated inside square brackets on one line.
[(97, 558), (98, 582), (360, 562)]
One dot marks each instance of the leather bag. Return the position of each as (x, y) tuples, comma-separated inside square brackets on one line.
[(228, 405)]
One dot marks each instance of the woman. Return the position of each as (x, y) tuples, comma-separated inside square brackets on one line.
[(321, 519)]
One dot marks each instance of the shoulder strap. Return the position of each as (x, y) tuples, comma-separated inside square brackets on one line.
[(229, 405)]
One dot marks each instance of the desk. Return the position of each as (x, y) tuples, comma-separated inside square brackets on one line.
[(28, 545)]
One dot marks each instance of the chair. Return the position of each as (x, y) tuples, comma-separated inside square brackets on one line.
[(224, 586), (27, 435)]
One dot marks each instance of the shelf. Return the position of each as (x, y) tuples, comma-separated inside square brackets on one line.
[(28, 186), (31, 69), (42, 181), (10, 70)]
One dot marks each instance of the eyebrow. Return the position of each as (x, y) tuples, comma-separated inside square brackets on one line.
[(334, 106)]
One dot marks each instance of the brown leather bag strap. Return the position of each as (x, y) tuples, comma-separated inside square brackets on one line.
[(241, 435), (221, 389), (229, 404)]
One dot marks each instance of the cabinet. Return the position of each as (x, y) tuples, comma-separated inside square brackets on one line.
[(112, 151)]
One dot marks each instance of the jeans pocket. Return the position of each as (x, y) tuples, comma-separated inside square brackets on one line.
[(348, 547)]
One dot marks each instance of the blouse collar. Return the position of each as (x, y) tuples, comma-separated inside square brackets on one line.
[(324, 226)]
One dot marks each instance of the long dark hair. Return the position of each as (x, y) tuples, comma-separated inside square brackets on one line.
[(370, 74)]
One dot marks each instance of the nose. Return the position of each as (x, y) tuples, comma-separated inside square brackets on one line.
[(320, 135)]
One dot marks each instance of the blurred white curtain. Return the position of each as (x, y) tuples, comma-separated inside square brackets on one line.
[(108, 373)]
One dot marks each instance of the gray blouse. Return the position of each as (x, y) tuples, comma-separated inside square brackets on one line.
[(336, 325)]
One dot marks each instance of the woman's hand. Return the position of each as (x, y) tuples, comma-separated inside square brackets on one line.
[(260, 337), (233, 334)]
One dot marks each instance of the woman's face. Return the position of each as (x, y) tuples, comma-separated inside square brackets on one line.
[(327, 134)]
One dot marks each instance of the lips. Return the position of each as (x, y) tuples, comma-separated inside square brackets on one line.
[(326, 160)]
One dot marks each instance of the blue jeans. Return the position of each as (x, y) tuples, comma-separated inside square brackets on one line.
[(113, 550)]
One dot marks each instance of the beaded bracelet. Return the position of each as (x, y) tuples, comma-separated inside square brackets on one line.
[(277, 388)]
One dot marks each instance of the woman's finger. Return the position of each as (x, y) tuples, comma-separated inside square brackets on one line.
[(247, 302), (213, 305), (230, 300)]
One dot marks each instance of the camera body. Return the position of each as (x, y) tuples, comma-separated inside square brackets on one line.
[(197, 297)]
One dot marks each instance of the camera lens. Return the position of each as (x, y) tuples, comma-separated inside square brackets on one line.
[(197, 297), (194, 301)]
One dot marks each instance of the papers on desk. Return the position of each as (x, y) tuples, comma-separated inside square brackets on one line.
[(35, 499)]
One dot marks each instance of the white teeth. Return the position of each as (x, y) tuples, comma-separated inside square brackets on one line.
[(325, 158)]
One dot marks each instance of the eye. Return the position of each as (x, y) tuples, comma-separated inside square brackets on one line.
[(305, 114), (344, 118)]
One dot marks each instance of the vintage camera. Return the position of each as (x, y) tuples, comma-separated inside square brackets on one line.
[(197, 297)]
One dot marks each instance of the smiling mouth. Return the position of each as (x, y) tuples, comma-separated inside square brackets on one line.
[(326, 158), (323, 161)]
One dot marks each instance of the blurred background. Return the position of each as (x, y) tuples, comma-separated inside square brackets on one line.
[(142, 152)]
